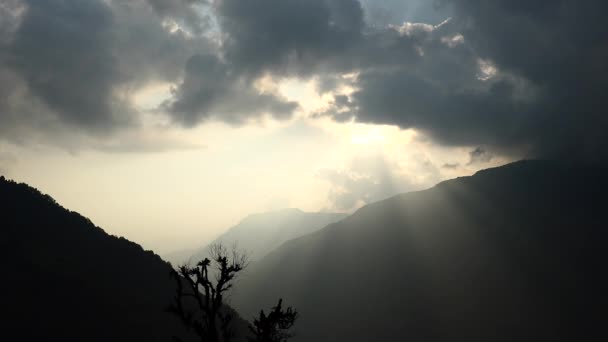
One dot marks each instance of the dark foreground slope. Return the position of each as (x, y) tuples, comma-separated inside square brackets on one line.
[(259, 234), (64, 279), (516, 253)]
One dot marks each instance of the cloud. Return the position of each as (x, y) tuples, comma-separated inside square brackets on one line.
[(451, 166), (479, 155), (526, 78), (520, 78), (560, 47), (62, 51), (190, 13), (395, 12), (291, 36), (68, 66), (437, 88), (211, 90), (368, 178), (523, 79), (72, 67), (7, 160)]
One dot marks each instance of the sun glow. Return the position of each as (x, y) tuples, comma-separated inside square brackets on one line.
[(151, 96), (372, 136)]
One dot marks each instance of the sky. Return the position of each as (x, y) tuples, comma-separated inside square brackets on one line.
[(167, 121)]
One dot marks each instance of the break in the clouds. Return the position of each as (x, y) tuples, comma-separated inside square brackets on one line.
[(519, 77), (368, 178)]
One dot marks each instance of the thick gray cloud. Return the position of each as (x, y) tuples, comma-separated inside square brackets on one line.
[(290, 37), (559, 46), (296, 36), (519, 77), (62, 51), (479, 155), (74, 64), (537, 91), (71, 64), (190, 13), (462, 114), (313, 38), (396, 12), (6, 162), (210, 89), (523, 78)]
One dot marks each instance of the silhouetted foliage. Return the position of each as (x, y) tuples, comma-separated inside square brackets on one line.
[(274, 326), (261, 233), (199, 300), (211, 321)]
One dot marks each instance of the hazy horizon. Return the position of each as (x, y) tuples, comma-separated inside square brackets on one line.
[(161, 229)]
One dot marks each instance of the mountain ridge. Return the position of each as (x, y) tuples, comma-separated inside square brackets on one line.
[(493, 256), (70, 280), (259, 233)]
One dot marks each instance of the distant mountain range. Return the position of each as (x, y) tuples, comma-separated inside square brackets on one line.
[(516, 253), (259, 234), (65, 279)]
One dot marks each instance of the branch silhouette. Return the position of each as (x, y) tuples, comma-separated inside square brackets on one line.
[(275, 326), (210, 321), (199, 300)]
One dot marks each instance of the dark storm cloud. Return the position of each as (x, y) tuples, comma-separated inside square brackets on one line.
[(211, 90), (522, 78), (559, 46), (67, 67), (76, 63), (61, 50), (291, 35), (9, 23), (263, 37), (453, 114), (312, 38), (442, 90), (479, 155), (396, 12), (188, 12), (68, 63), (519, 77), (545, 97)]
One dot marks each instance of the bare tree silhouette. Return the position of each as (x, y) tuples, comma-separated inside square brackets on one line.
[(275, 326), (199, 300), (212, 321)]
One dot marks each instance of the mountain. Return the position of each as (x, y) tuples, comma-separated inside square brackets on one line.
[(65, 279), (259, 234), (180, 256), (515, 253)]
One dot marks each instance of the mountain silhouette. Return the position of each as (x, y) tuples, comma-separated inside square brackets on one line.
[(65, 279), (258, 234), (515, 253)]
